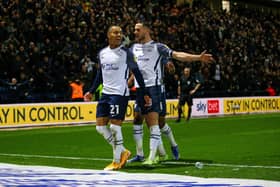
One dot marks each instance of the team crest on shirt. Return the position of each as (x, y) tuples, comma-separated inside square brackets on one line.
[(119, 52)]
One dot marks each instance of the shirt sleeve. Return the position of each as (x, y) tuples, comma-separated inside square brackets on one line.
[(98, 78), (164, 60), (164, 50)]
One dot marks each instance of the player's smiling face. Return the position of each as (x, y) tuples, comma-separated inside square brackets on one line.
[(115, 36), (139, 32)]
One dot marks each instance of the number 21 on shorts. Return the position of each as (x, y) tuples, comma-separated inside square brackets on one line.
[(114, 109)]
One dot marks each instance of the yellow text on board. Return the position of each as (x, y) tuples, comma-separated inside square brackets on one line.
[(47, 113), (63, 113), (251, 105)]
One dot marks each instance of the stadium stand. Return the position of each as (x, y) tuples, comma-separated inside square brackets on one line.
[(42, 44)]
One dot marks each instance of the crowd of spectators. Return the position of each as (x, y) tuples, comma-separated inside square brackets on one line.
[(46, 44)]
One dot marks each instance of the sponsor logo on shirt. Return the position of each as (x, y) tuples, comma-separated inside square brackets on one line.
[(108, 67)]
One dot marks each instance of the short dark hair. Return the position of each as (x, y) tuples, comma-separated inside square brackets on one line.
[(187, 66), (110, 28), (146, 24)]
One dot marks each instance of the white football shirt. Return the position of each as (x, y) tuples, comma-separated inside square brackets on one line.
[(149, 57), (115, 71)]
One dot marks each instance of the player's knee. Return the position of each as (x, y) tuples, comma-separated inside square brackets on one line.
[(112, 128), (100, 129), (138, 119), (116, 122), (161, 121)]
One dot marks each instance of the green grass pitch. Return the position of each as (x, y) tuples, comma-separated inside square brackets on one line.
[(241, 146)]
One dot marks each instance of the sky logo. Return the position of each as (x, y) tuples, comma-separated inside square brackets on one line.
[(201, 106)]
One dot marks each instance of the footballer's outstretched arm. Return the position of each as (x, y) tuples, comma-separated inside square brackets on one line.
[(187, 57), (183, 56)]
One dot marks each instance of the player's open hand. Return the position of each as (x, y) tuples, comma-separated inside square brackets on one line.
[(88, 96), (170, 67), (206, 58), (148, 101)]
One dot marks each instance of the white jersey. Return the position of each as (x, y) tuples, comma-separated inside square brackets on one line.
[(115, 71), (148, 57)]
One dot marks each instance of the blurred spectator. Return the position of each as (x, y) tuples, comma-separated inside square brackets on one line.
[(270, 90), (76, 88), (170, 87), (17, 91), (88, 71)]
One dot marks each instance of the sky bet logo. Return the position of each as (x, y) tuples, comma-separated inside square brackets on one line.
[(213, 106)]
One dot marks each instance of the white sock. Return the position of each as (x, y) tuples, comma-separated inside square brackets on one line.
[(166, 130), (138, 137), (161, 149), (117, 133), (106, 133), (154, 141)]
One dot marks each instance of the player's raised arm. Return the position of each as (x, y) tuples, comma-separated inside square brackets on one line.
[(187, 57), (183, 56)]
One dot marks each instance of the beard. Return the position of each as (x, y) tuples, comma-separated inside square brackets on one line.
[(140, 38)]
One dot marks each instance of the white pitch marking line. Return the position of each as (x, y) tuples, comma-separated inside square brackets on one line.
[(223, 165), (167, 162), (55, 157)]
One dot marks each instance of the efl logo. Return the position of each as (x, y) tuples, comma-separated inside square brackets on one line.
[(213, 106)]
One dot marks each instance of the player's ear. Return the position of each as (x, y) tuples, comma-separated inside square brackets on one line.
[(109, 31), (108, 34)]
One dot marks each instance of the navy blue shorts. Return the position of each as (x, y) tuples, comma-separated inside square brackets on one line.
[(155, 94), (112, 106)]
